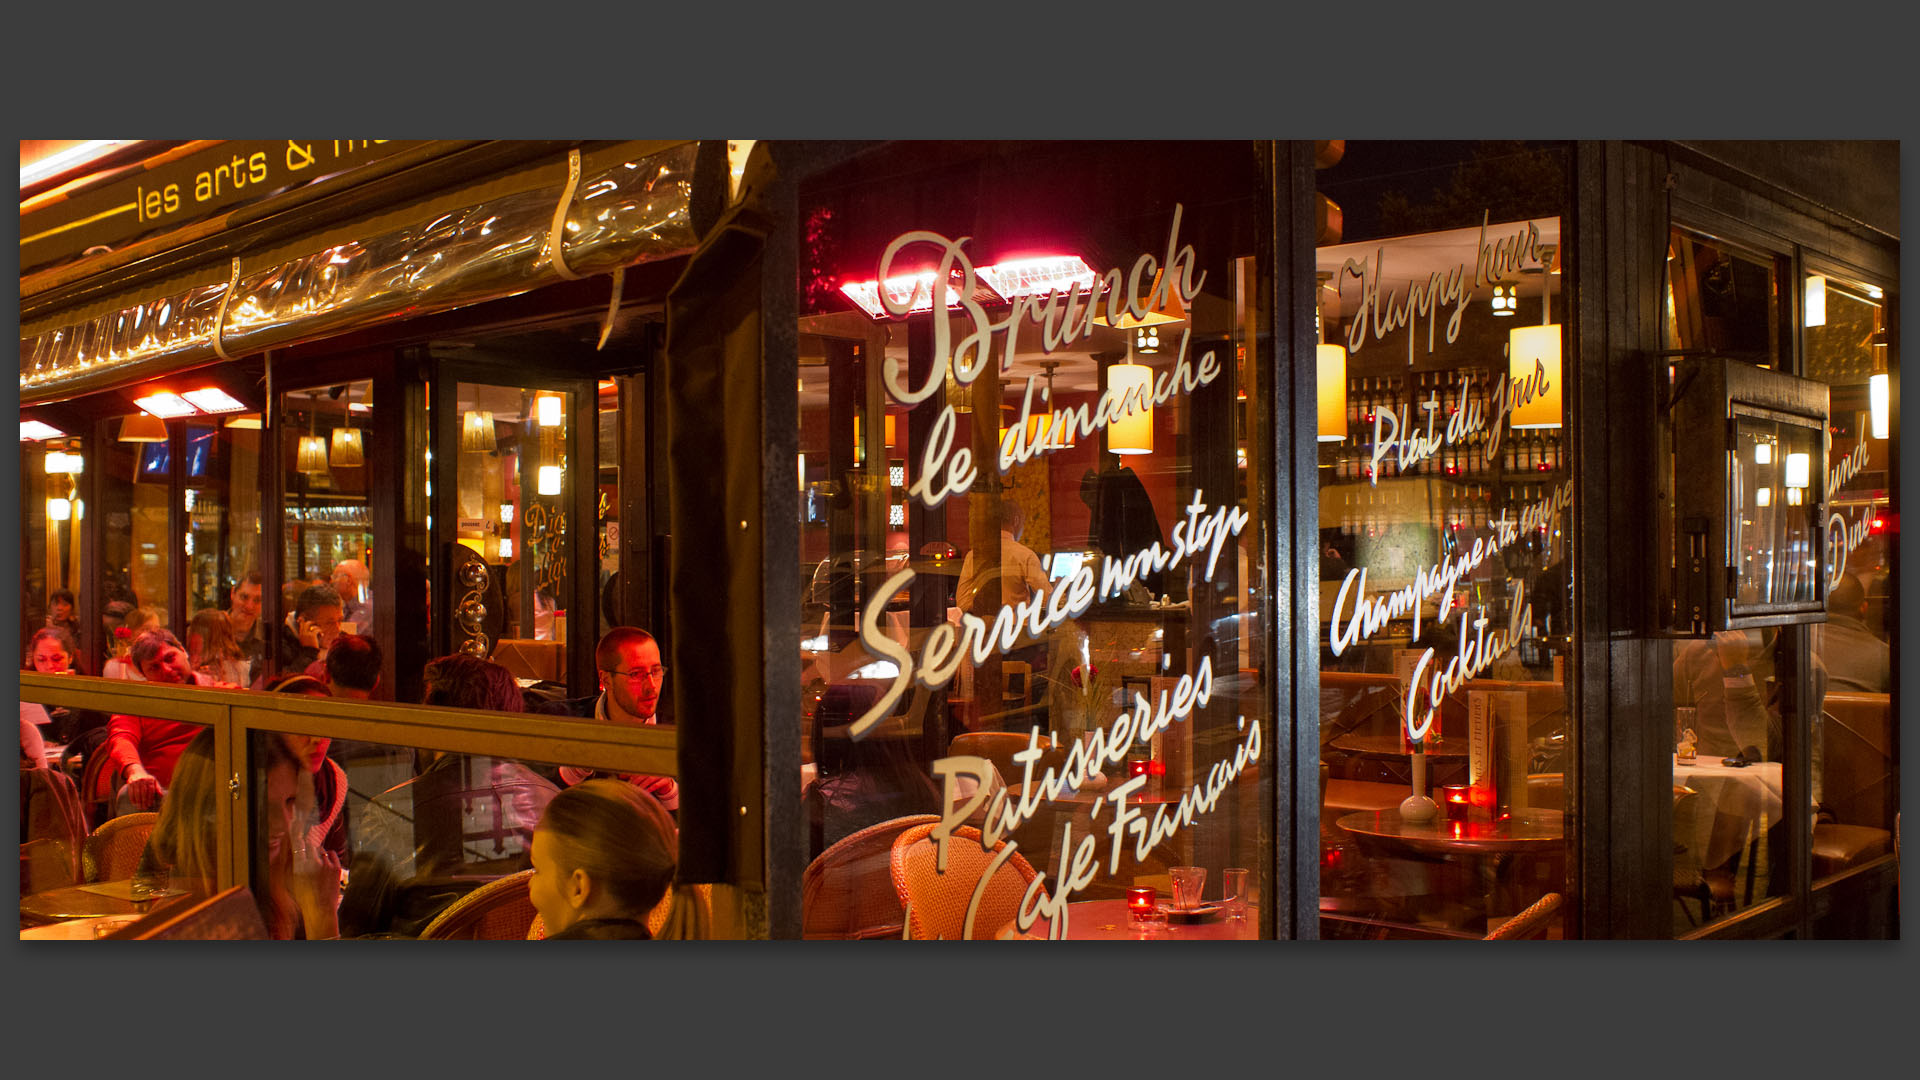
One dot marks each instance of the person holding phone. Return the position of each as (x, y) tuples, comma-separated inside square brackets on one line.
[(314, 625)]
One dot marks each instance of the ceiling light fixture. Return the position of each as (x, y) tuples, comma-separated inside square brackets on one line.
[(212, 399), (166, 405)]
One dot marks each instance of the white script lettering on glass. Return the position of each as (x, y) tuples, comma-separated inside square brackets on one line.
[(1843, 537), (1495, 262), (1063, 318), (1204, 531), (1101, 748), (1469, 418), (1364, 616)]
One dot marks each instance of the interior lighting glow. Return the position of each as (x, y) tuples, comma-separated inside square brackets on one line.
[(549, 480), (59, 510), (165, 405), (34, 431), (548, 408), (1039, 275), (212, 399), (1877, 390), (1799, 470)]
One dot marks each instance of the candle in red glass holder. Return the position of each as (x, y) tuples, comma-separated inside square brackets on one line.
[(1140, 767), (1140, 901), (1458, 799)]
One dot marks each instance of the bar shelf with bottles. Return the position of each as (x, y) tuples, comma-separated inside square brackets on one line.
[(1471, 487)]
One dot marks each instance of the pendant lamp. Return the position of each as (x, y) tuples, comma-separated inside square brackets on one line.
[(1330, 373), (1131, 433), (1533, 359), (347, 451), (143, 427), (476, 431)]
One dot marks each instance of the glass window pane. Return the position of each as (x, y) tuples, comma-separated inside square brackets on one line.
[(513, 502), (137, 548), (328, 554), (1856, 765), (1445, 518), (1124, 541)]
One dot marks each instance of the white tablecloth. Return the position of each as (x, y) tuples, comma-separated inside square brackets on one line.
[(1718, 823)]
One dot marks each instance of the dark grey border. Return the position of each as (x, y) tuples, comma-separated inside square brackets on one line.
[(1119, 70)]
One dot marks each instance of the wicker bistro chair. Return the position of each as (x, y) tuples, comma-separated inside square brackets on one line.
[(53, 829), (112, 853), (937, 902), (1532, 922), (500, 910), (847, 892)]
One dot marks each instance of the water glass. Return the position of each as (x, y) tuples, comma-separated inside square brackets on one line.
[(150, 882), (1187, 883), (1233, 892)]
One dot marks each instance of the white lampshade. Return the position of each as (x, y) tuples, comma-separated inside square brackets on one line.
[(1799, 470), (1763, 496), (1816, 300), (506, 547), (548, 408), (549, 480), (1762, 453), (59, 509), (1531, 350), (1133, 432), (1331, 371), (506, 513), (1877, 400)]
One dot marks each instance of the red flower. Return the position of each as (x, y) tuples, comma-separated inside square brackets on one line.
[(122, 632), (1074, 675)]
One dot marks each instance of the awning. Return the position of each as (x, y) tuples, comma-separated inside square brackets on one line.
[(620, 206)]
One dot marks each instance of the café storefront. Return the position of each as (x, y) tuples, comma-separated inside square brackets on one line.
[(1010, 560)]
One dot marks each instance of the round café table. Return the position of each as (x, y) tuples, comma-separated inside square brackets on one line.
[(1492, 847), (1388, 746), (1106, 920), (78, 902)]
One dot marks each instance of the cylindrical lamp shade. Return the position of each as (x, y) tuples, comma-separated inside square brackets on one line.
[(1533, 353), (141, 427), (59, 510), (476, 432), (348, 450), (1332, 375), (312, 456), (548, 408), (1763, 453), (1878, 401), (506, 547), (549, 480), (1763, 496), (1816, 300), (1132, 433)]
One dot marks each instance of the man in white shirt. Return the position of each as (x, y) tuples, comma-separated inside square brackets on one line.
[(1857, 661), (1021, 580), (631, 678), (1020, 573)]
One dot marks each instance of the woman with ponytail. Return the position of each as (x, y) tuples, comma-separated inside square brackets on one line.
[(603, 860)]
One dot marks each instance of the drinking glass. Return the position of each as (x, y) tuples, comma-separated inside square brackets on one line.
[(1233, 892), (150, 882), (1187, 883)]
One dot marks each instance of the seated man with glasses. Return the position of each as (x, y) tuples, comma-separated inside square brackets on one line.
[(631, 677)]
